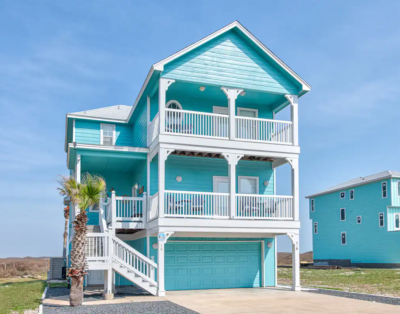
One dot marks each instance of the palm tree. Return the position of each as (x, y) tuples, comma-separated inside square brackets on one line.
[(83, 195)]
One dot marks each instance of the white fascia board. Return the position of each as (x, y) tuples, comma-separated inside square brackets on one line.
[(160, 65), (111, 148), (66, 134), (95, 118), (352, 186)]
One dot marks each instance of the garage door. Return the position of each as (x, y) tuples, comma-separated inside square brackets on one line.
[(212, 265)]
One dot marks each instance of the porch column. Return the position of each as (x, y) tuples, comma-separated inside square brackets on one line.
[(294, 113), (162, 157), (162, 96), (162, 240), (294, 162), (108, 288), (295, 261), (232, 160), (232, 94)]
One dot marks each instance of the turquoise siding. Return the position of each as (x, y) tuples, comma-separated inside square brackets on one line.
[(390, 219), (229, 60), (366, 242), (88, 132), (154, 106), (394, 192), (140, 125)]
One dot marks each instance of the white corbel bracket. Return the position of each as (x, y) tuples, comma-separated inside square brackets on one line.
[(292, 162), (168, 84), (231, 93), (232, 159), (293, 99), (295, 239)]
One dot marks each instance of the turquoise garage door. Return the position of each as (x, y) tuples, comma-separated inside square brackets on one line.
[(212, 265)]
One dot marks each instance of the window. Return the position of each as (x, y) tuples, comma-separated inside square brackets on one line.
[(94, 208), (398, 188), (343, 214), (352, 194), (359, 221), (315, 227), (248, 185), (381, 220), (342, 195), (384, 189), (397, 221), (343, 238), (107, 134), (173, 118), (312, 205)]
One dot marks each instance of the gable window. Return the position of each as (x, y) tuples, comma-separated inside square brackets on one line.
[(315, 227), (312, 205), (398, 188), (381, 220), (342, 195), (173, 118), (359, 221), (384, 189), (397, 221), (352, 194), (107, 134), (343, 214), (343, 238)]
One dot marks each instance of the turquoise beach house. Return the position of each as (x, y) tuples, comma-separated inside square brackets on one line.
[(357, 223), (191, 201)]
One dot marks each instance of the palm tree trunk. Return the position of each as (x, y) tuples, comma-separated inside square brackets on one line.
[(65, 238), (79, 264)]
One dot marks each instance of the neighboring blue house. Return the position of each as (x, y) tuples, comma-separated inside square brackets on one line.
[(357, 223), (190, 170)]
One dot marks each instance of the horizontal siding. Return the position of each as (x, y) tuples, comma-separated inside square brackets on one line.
[(140, 175), (140, 125), (123, 135), (229, 61), (366, 242), (390, 219)]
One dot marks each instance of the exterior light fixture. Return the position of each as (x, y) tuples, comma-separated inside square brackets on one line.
[(202, 88), (269, 244), (178, 179), (155, 246), (266, 183), (242, 93)]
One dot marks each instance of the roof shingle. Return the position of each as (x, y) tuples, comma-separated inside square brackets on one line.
[(118, 112)]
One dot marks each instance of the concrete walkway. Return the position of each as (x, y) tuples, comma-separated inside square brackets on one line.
[(256, 300)]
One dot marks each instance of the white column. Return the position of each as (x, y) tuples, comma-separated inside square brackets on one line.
[(162, 157), (232, 160), (108, 284), (113, 213), (162, 96), (161, 269), (232, 94), (148, 186), (148, 243), (294, 113), (295, 261), (294, 162), (148, 121)]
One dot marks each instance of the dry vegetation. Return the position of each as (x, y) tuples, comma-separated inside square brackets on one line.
[(285, 259), (23, 267)]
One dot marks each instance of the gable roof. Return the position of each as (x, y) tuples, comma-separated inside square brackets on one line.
[(118, 113), (359, 181), (159, 66)]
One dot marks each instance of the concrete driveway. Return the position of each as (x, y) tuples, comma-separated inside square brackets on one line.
[(235, 301)]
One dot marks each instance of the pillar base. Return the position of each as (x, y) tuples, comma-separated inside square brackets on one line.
[(161, 293), (296, 288), (108, 296)]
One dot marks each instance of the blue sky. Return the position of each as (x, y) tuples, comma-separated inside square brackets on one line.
[(58, 57)]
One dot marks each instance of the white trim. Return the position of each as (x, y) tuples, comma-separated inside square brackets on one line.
[(315, 225), (341, 214), (344, 195), (359, 223), (219, 178), (384, 182), (173, 101), (394, 221), (95, 118), (312, 209), (249, 109), (345, 238), (398, 188), (111, 148), (101, 132), (354, 195), (73, 130), (383, 219), (276, 260), (248, 177)]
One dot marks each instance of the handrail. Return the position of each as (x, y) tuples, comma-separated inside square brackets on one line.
[(261, 195), (203, 193), (260, 119), (198, 112)]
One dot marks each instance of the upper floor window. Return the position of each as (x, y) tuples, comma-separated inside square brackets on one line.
[(315, 227), (107, 134), (343, 214), (343, 238), (312, 205), (381, 220), (359, 220), (173, 104), (342, 195), (173, 118), (397, 221), (398, 188), (352, 194), (384, 189)]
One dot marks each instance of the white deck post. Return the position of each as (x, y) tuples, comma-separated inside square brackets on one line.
[(162, 240), (162, 96), (162, 157), (148, 187), (148, 243), (295, 261), (113, 213), (108, 284), (144, 209), (232, 160), (294, 162), (294, 113), (232, 94)]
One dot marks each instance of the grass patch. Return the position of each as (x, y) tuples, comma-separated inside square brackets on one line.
[(19, 294), (385, 282)]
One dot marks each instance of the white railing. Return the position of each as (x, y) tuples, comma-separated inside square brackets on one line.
[(263, 130), (194, 123), (153, 129), (250, 206), (153, 207), (130, 208), (139, 263), (104, 213), (97, 246), (196, 204)]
